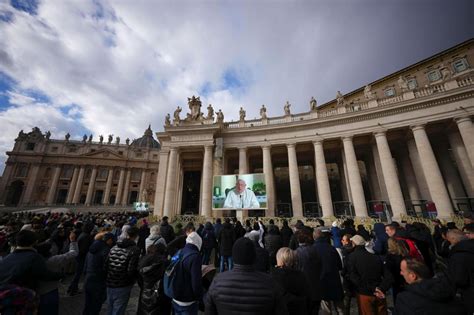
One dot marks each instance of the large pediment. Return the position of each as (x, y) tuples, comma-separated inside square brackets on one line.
[(104, 153)]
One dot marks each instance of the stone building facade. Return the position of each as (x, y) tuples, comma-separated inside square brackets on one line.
[(404, 142)]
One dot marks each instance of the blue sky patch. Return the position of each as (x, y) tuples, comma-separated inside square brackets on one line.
[(28, 6)]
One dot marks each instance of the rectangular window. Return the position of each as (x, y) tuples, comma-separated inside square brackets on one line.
[(22, 170), (389, 92), (102, 174), (72, 149), (434, 75), (460, 65), (30, 146), (412, 84)]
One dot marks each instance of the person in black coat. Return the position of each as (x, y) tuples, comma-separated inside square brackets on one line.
[(95, 288), (309, 263), (166, 230), (397, 251), (425, 295), (369, 277), (209, 242), (286, 232), (292, 280), (151, 268), (262, 259), (84, 241), (226, 240), (273, 243), (243, 290), (461, 266), (331, 265), (239, 230)]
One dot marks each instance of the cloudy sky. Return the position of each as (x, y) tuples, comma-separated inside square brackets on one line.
[(113, 67)]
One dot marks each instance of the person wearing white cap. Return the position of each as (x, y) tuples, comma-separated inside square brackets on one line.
[(188, 277), (369, 277)]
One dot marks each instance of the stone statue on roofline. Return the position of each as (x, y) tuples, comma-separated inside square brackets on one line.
[(263, 112), (339, 98), (446, 72), (117, 140), (101, 139), (167, 120), (194, 104), (111, 137), (220, 117), (176, 114), (242, 114), (84, 138), (313, 105), (210, 112), (286, 108), (90, 138), (67, 136), (368, 92), (127, 141), (48, 135)]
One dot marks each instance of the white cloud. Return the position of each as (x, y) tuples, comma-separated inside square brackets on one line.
[(113, 67)]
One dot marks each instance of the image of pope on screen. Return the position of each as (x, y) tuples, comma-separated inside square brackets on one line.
[(241, 198), (243, 191)]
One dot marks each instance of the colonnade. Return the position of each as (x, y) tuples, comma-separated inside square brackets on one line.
[(423, 176)]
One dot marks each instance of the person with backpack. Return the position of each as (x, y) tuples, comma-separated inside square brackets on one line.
[(393, 230), (183, 277), (121, 268), (154, 238)]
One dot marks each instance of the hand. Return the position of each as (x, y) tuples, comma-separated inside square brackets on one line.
[(379, 294), (72, 237)]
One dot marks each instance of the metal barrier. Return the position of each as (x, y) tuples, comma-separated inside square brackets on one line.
[(463, 204), (385, 213), (284, 210), (312, 210), (343, 209)]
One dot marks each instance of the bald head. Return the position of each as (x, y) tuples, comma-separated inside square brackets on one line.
[(455, 236)]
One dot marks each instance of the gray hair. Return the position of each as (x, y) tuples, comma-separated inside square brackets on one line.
[(155, 229)]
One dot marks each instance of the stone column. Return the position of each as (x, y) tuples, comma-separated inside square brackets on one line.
[(379, 173), (390, 175), (108, 187), (410, 178), (118, 195), (269, 179), (142, 186), (206, 192), (32, 177), (324, 190), (449, 172), (171, 180), (243, 161), (419, 175), (90, 189), (126, 188), (72, 186), (357, 190), (54, 185), (296, 202), (430, 167), (467, 133), (462, 161), (77, 190), (160, 183)]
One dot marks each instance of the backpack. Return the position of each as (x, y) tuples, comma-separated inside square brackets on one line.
[(413, 250), (170, 285)]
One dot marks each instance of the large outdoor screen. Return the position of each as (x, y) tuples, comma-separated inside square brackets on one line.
[(247, 191)]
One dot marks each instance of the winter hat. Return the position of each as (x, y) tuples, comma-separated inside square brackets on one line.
[(358, 240), (195, 239), (243, 252)]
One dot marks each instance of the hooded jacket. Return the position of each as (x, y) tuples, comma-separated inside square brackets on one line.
[(167, 232), (461, 269), (429, 296), (381, 239), (95, 260), (226, 240), (122, 264)]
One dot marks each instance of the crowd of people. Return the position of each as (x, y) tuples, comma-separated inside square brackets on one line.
[(228, 267)]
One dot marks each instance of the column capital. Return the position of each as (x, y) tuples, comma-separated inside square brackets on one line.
[(318, 140), (462, 119), (347, 138), (174, 149), (418, 127), (266, 146), (380, 133), (208, 146), (291, 145)]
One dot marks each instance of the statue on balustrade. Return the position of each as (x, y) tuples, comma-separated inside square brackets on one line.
[(101, 139), (220, 117), (176, 115), (210, 112), (402, 84), (194, 104), (286, 108), (313, 105), (445, 72), (263, 112), (111, 137), (242, 114), (167, 120), (117, 140), (84, 138), (67, 136), (339, 98), (368, 92), (127, 141), (90, 138)]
